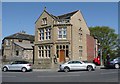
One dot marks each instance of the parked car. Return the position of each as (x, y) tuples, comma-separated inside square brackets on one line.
[(97, 60), (77, 65), (113, 63), (18, 65)]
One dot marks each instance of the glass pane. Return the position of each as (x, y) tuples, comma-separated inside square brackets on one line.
[(57, 47), (46, 53), (64, 32), (64, 36), (60, 46), (66, 46), (49, 53), (60, 32), (67, 52), (60, 36), (42, 53)]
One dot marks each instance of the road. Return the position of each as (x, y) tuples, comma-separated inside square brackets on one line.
[(99, 75)]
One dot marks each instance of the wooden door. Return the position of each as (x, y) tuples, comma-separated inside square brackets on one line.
[(62, 56)]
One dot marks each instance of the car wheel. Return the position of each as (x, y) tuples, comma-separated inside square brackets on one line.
[(89, 68), (117, 66), (66, 69), (24, 69), (5, 69)]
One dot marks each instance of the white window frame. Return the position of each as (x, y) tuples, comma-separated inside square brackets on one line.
[(48, 33), (63, 33), (41, 34), (44, 21), (44, 51)]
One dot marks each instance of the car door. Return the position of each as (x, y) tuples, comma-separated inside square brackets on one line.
[(20, 64), (72, 65), (83, 65), (75, 65), (13, 66), (79, 65)]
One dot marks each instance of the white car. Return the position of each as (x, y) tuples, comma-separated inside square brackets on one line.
[(18, 65), (77, 65)]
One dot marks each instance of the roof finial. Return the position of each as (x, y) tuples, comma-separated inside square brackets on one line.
[(45, 8)]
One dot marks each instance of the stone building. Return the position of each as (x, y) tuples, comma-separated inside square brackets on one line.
[(18, 46), (60, 38)]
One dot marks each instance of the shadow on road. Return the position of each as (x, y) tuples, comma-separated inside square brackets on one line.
[(75, 70), (17, 71), (107, 68)]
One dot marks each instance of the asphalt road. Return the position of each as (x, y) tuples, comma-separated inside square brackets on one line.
[(99, 75)]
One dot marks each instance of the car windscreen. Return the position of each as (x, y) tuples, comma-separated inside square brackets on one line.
[(25, 62)]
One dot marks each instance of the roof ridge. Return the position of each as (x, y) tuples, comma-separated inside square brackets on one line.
[(20, 35), (25, 33)]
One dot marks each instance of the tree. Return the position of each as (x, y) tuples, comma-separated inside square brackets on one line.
[(106, 37)]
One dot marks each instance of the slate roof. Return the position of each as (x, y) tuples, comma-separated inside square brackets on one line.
[(64, 16), (24, 45), (22, 36), (67, 16)]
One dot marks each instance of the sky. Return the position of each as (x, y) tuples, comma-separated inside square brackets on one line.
[(18, 16)]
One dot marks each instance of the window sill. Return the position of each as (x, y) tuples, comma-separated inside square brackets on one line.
[(43, 24)]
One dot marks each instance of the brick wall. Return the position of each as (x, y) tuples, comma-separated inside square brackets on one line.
[(90, 48)]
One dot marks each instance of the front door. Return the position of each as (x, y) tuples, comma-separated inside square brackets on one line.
[(62, 56)]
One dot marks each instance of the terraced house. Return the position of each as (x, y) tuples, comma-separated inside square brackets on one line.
[(60, 38)]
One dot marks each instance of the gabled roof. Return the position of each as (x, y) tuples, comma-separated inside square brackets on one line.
[(22, 36), (64, 16), (47, 13)]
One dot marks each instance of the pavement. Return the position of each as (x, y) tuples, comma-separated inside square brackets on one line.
[(97, 67)]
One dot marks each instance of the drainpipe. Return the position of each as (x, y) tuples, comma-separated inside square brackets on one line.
[(71, 44), (33, 55)]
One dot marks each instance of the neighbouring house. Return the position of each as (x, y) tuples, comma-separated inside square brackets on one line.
[(18, 46), (92, 48), (61, 38)]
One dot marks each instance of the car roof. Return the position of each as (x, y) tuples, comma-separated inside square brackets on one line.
[(21, 61), (74, 60)]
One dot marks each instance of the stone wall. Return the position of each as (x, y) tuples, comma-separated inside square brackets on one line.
[(43, 64)]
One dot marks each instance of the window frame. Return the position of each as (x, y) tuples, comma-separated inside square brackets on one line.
[(47, 33), (41, 34), (44, 21), (62, 33), (44, 51)]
